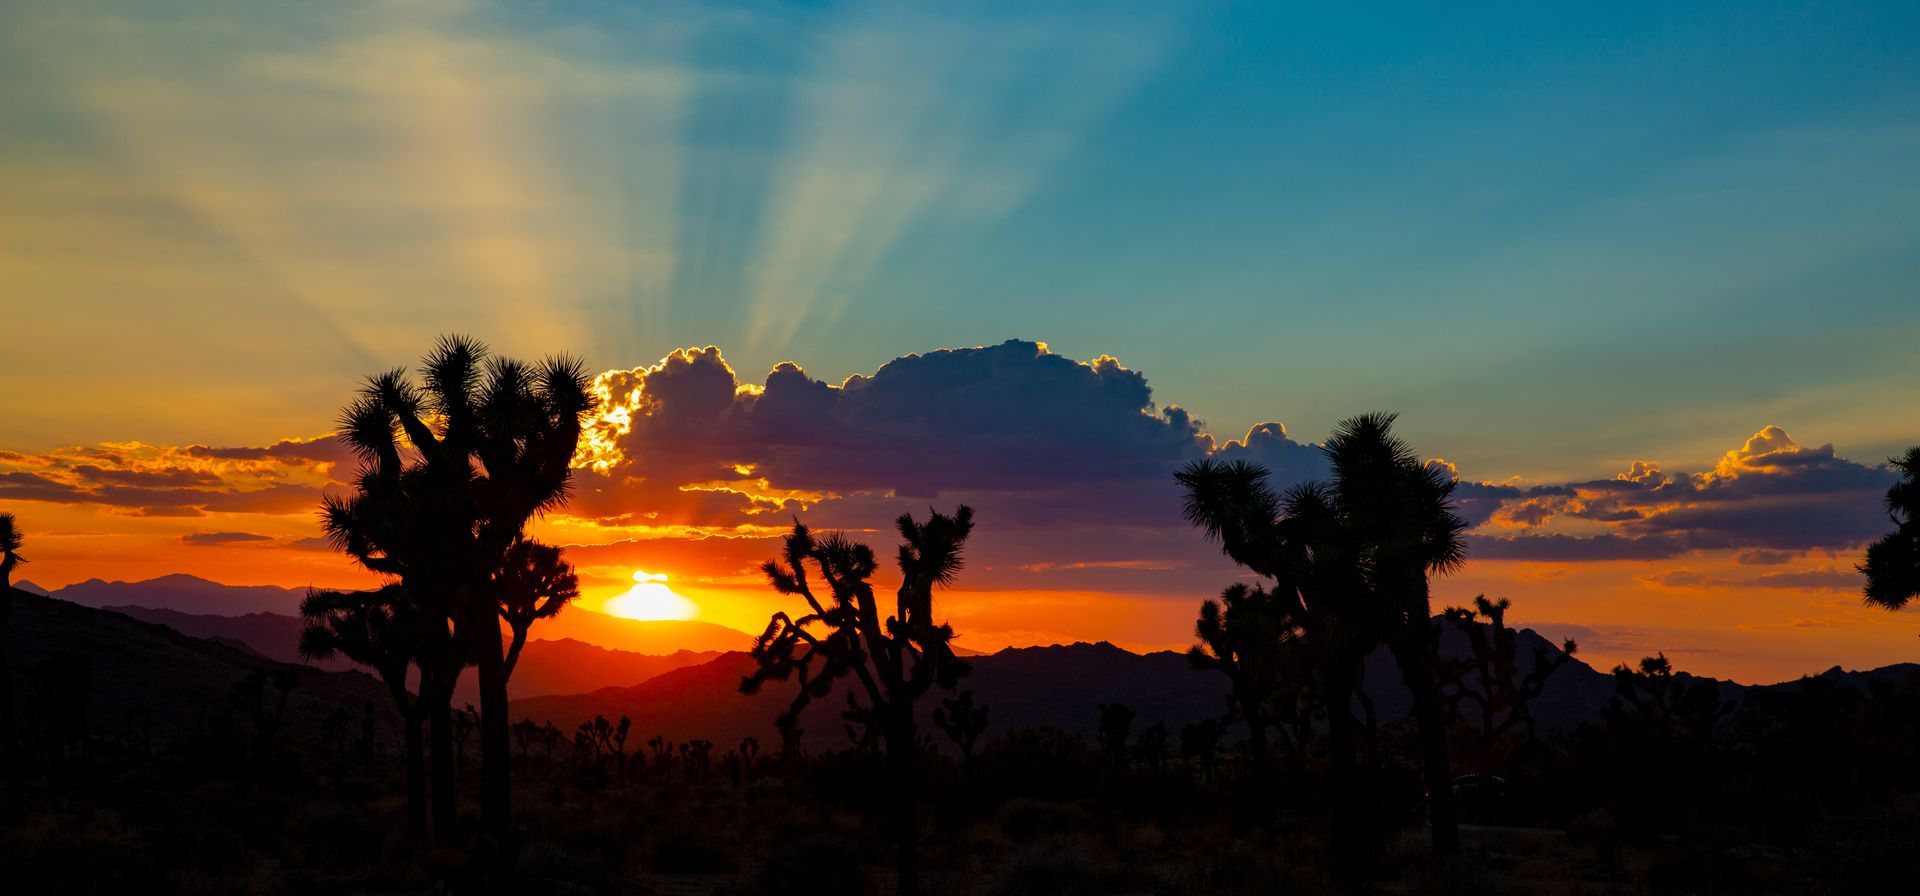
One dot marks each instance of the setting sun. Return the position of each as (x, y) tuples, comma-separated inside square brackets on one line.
[(650, 598)]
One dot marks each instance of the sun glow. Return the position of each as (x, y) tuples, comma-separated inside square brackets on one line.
[(650, 598)]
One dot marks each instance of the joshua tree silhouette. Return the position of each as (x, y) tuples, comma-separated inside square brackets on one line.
[(265, 710), (963, 721), (1201, 741), (1490, 678), (1892, 564), (453, 470), (1349, 560), (896, 660), (1248, 636), (1116, 728), (381, 630), (10, 541), (534, 583), (1301, 543), (1673, 707), (1402, 512)]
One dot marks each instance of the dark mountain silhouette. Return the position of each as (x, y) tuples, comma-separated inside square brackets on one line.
[(272, 635), (151, 678), (567, 666), (269, 618), (185, 594), (563, 666), (29, 588), (1059, 686)]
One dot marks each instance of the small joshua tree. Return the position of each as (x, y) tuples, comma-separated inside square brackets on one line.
[(265, 710), (534, 583), (1248, 636), (525, 735), (1201, 741), (1116, 729), (10, 540), (1490, 679), (963, 721), (382, 630), (1675, 708), (895, 657), (617, 743), (464, 721)]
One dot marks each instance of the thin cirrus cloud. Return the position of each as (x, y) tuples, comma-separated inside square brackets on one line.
[(221, 539)]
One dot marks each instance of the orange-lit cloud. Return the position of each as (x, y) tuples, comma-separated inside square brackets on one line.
[(1743, 568)]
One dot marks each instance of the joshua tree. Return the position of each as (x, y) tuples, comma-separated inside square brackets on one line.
[(1306, 547), (464, 721), (454, 469), (266, 711), (1201, 740), (696, 757), (618, 744), (895, 659), (525, 735), (1892, 565), (1151, 746), (382, 631), (1400, 511), (1116, 728), (1247, 636), (1490, 679), (963, 721), (10, 539), (1673, 707), (748, 751), (533, 583)]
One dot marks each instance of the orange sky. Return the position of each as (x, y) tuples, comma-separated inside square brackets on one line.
[(1704, 566)]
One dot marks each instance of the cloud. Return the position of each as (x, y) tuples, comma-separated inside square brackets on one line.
[(1822, 578), (1763, 557), (217, 539), (1055, 439), (1564, 547), (146, 480), (1771, 497)]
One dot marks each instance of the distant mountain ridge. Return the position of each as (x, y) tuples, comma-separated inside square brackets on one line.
[(194, 596), (1061, 686), (185, 594), (145, 677), (563, 666)]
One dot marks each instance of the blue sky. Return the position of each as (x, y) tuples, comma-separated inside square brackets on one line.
[(1564, 241), (1555, 237)]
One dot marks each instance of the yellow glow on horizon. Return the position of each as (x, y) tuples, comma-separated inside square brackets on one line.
[(651, 599)]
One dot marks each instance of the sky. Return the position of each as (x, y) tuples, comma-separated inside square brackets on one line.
[(1640, 273)]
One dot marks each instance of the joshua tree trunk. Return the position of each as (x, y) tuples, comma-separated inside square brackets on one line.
[(416, 761), (1257, 748), (9, 742), (413, 756), (900, 746), (440, 757), (1338, 680), (1413, 649), (496, 794)]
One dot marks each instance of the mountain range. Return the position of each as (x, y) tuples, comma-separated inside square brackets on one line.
[(563, 666), (163, 669), (125, 674)]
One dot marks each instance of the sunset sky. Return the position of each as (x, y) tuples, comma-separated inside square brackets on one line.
[(1642, 274)]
